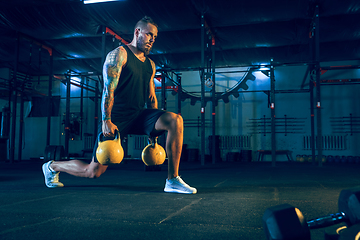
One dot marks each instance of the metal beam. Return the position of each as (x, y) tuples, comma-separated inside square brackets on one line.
[(312, 119), (82, 106), (179, 93), (96, 107), (163, 91), (213, 101), (202, 111), (318, 85), (67, 115), (103, 57), (14, 101), (21, 124), (48, 129), (272, 109)]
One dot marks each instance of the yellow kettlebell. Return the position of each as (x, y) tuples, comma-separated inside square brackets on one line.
[(153, 154), (110, 151)]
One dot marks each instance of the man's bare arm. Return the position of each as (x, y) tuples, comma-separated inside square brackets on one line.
[(111, 73), (152, 101)]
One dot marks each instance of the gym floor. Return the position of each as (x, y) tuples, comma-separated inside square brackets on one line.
[(129, 203)]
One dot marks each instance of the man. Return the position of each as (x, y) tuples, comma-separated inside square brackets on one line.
[(128, 85)]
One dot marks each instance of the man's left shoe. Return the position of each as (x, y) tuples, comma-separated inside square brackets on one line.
[(51, 178), (177, 185)]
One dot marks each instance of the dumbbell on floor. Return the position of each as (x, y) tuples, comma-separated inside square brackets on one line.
[(287, 222)]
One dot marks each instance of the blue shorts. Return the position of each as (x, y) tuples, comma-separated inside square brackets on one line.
[(144, 124)]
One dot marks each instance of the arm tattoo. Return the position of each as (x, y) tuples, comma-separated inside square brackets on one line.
[(111, 73)]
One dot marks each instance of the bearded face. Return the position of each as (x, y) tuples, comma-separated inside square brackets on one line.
[(143, 45), (146, 36)]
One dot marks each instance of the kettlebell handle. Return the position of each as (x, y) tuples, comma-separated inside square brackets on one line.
[(116, 139), (154, 140)]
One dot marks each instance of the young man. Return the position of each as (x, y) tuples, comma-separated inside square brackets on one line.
[(128, 85)]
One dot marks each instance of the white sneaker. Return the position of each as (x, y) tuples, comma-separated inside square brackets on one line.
[(177, 185), (51, 178)]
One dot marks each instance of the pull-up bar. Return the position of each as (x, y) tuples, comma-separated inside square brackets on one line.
[(49, 49), (111, 32)]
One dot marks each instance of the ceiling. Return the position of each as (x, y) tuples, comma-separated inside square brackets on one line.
[(245, 32)]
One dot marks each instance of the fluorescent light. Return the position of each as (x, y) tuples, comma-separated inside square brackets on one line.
[(264, 66), (264, 69), (100, 1), (261, 75)]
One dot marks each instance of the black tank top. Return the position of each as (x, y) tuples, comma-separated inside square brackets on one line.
[(132, 91)]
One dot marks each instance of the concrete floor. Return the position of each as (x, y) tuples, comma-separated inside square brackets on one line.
[(129, 203)]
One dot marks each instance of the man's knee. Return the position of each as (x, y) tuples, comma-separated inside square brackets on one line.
[(95, 170), (93, 174), (169, 121), (175, 120)]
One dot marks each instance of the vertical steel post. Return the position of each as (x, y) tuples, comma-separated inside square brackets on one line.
[(202, 111), (311, 89), (81, 106), (162, 139), (14, 101), (5, 132), (312, 119), (99, 89), (67, 114), (163, 91), (213, 101), (103, 46), (21, 118), (49, 103), (21, 125), (96, 107), (179, 93), (272, 107), (318, 86)]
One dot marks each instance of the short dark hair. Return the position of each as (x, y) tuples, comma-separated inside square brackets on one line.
[(144, 21)]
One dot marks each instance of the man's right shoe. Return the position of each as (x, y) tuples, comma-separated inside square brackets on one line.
[(177, 185), (51, 178)]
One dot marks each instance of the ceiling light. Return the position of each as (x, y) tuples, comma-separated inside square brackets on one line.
[(100, 1)]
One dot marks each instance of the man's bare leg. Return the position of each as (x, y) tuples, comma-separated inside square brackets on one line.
[(52, 169), (173, 124), (79, 168)]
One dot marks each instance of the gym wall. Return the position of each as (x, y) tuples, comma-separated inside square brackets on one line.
[(235, 118)]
